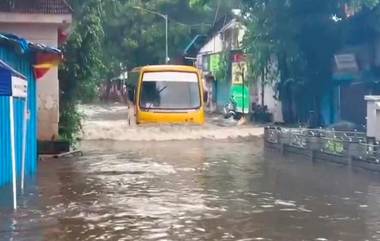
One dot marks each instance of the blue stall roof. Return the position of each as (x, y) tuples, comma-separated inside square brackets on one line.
[(24, 46)]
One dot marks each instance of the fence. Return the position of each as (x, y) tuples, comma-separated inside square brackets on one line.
[(344, 147)]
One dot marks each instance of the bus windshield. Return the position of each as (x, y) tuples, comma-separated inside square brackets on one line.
[(170, 90)]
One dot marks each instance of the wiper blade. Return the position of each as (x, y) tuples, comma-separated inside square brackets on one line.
[(163, 88)]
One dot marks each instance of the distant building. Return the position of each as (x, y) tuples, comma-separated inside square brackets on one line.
[(219, 54), (46, 22), (209, 52), (356, 72)]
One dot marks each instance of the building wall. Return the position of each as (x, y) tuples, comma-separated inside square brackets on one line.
[(217, 44), (274, 105), (353, 107), (48, 86), (222, 92), (230, 38), (214, 45)]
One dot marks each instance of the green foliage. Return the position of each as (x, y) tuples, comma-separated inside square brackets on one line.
[(358, 4), (81, 71), (83, 66), (222, 70), (302, 37), (109, 37), (334, 146), (136, 36), (215, 7), (197, 3), (70, 122)]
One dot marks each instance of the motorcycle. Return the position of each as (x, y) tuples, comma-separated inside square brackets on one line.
[(230, 110)]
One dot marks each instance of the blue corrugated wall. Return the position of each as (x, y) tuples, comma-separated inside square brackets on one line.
[(223, 88), (21, 63)]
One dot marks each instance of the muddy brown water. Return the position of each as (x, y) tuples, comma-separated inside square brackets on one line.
[(192, 190)]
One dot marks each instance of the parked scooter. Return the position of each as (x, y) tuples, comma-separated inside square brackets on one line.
[(230, 110)]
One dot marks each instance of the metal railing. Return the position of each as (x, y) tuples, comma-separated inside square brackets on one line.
[(349, 136), (342, 144), (272, 135), (368, 152), (295, 138)]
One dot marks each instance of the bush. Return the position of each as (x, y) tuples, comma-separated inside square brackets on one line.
[(70, 122)]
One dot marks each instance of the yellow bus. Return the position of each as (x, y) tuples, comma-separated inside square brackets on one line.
[(169, 94)]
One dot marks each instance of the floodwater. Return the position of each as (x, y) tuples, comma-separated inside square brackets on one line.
[(192, 190), (110, 122)]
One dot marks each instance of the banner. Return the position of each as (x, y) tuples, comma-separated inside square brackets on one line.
[(214, 63), (45, 62), (239, 71), (242, 98)]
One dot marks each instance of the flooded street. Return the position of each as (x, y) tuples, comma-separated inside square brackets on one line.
[(110, 122), (192, 190)]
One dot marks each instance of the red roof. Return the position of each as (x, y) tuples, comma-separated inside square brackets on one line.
[(36, 6)]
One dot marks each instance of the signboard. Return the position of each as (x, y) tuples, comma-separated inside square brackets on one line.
[(239, 71), (346, 62), (239, 57), (19, 87), (12, 83), (242, 97), (214, 63), (240, 84), (347, 67)]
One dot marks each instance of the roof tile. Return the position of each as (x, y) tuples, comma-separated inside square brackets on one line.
[(35, 6)]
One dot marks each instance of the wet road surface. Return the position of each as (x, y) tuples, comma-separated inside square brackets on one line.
[(109, 122), (193, 190)]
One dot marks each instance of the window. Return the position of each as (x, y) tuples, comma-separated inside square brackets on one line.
[(170, 90)]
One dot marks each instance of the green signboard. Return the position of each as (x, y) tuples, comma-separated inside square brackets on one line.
[(242, 97), (214, 63)]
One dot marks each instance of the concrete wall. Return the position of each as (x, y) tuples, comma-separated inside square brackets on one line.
[(214, 45), (217, 44), (48, 86), (274, 105)]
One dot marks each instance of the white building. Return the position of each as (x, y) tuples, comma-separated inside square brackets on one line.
[(227, 36)]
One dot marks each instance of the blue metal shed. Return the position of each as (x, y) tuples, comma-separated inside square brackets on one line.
[(20, 55), (13, 87), (22, 65)]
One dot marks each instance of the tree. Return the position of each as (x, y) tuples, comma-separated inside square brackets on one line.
[(81, 70), (136, 37), (110, 36)]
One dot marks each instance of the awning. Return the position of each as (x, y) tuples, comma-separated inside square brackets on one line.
[(195, 45), (45, 57)]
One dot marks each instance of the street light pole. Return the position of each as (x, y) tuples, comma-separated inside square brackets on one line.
[(166, 17), (166, 36)]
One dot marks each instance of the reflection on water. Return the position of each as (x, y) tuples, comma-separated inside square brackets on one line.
[(199, 190)]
